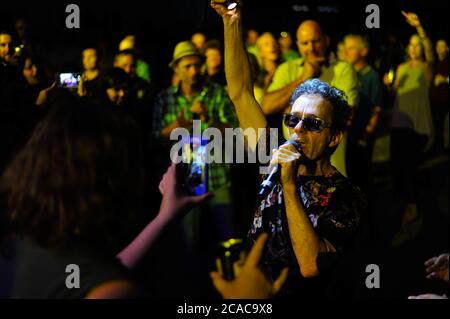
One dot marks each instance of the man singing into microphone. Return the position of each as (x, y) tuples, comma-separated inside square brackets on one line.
[(313, 212)]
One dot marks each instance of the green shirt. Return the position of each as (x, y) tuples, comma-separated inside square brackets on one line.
[(219, 109)]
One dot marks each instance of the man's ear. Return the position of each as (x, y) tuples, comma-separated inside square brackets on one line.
[(336, 139), (327, 41), (364, 52)]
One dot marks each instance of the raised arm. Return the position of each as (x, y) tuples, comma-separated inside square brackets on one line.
[(277, 101), (237, 71), (413, 20)]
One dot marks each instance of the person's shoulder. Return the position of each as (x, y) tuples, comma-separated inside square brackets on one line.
[(211, 85), (345, 183), (294, 63), (169, 90), (343, 67), (348, 192), (213, 89)]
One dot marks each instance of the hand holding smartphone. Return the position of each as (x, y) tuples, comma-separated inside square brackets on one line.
[(193, 169)]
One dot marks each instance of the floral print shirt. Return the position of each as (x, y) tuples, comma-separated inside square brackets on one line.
[(334, 206)]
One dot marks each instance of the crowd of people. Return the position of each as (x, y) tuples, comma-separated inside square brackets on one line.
[(84, 167)]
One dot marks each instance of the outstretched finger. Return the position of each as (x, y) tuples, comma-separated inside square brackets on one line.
[(218, 282), (280, 281), (430, 261), (200, 198), (433, 275), (256, 251)]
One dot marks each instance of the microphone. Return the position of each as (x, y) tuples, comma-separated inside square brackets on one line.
[(273, 176)]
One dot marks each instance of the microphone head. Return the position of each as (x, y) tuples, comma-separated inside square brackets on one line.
[(294, 143)]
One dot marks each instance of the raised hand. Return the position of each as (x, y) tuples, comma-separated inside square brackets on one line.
[(175, 202), (250, 282), (287, 156), (227, 15), (437, 267), (412, 19)]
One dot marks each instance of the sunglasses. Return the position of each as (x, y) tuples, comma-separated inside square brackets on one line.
[(310, 123)]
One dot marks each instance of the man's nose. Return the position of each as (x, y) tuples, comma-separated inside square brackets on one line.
[(194, 70), (300, 127)]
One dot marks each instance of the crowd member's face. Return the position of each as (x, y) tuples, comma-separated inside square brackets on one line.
[(354, 50), (213, 58), (188, 70), (341, 52), (311, 41), (441, 48), (199, 41), (415, 48), (285, 42), (5, 47), (89, 59), (117, 95), (30, 71), (252, 37), (313, 144), (21, 27), (125, 62), (268, 47)]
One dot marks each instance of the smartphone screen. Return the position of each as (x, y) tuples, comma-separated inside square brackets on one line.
[(68, 80), (194, 170)]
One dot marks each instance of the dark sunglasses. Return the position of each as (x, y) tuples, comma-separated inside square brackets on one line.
[(310, 123)]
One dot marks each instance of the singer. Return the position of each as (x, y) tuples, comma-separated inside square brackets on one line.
[(312, 212)]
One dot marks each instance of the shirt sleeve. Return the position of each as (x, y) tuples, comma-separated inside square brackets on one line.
[(340, 223), (339, 227), (377, 90), (280, 78), (227, 113), (158, 115), (347, 81)]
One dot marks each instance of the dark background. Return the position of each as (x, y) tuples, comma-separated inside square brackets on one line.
[(161, 24)]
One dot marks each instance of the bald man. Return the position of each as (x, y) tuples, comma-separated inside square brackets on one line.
[(315, 62)]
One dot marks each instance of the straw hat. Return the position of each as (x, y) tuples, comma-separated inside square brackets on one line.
[(183, 49)]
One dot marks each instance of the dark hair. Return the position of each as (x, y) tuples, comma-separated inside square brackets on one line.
[(79, 177), (45, 72), (213, 44), (341, 111), (115, 78), (126, 52), (255, 69), (2, 31)]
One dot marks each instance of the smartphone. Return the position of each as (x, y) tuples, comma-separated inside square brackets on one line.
[(68, 80), (193, 169)]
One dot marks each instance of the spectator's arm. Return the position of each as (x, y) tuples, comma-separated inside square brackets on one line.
[(277, 101), (238, 73), (174, 203)]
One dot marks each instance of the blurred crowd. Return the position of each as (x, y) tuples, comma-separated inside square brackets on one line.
[(399, 125)]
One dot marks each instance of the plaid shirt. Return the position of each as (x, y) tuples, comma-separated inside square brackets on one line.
[(170, 101)]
